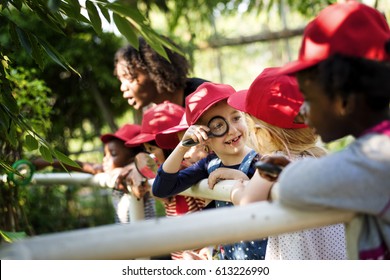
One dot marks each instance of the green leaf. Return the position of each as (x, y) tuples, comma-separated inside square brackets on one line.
[(4, 119), (104, 12), (54, 5), (46, 17), (12, 136), (127, 11), (13, 33), (11, 120), (94, 17), (45, 152), (59, 19), (36, 50), (17, 4), (126, 29), (8, 168), (9, 102), (31, 143), (23, 39), (149, 37), (12, 236), (64, 159), (55, 56), (71, 9)]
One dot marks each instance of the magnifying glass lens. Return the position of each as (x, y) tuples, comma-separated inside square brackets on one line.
[(218, 126)]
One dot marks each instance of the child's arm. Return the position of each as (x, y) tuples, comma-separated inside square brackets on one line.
[(257, 189), (198, 133), (173, 163)]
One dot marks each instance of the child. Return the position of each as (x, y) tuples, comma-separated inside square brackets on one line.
[(231, 157), (116, 156), (156, 120), (343, 72), (272, 104)]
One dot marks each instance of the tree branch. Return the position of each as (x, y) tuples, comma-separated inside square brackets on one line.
[(262, 37)]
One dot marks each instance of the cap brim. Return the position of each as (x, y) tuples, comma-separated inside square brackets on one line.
[(108, 137), (175, 129), (167, 141), (293, 67), (168, 138), (238, 100), (140, 139)]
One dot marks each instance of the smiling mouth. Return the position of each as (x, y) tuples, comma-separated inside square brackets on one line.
[(234, 140)]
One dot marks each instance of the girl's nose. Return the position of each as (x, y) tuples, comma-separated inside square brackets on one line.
[(232, 128)]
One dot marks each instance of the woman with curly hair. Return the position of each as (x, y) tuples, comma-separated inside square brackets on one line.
[(146, 77)]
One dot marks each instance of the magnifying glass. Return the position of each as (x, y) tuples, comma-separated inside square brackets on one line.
[(218, 128), (146, 165)]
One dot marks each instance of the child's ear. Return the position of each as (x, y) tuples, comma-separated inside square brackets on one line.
[(345, 105)]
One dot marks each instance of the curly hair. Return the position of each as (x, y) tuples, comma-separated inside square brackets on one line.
[(169, 76), (344, 75)]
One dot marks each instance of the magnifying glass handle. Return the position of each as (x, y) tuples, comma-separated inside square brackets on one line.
[(189, 143)]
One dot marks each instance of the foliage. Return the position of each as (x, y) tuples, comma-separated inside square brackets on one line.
[(92, 98), (198, 15), (53, 15), (46, 209)]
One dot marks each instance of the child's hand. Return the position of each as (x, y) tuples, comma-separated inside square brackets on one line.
[(236, 191), (277, 160), (138, 184), (198, 133), (203, 254), (224, 173), (120, 181)]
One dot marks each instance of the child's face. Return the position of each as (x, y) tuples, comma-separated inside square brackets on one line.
[(235, 139), (156, 151), (194, 154), (322, 113), (116, 154)]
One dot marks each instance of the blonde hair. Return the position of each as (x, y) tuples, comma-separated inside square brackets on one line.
[(267, 139)]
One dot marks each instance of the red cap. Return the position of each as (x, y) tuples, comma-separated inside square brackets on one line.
[(157, 119), (124, 133), (272, 98), (205, 96), (350, 28), (168, 139)]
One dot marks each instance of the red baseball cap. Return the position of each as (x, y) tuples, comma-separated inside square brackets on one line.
[(272, 98), (205, 96), (350, 28), (168, 139), (155, 120), (124, 133)]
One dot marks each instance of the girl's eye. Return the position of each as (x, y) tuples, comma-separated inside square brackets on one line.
[(237, 118)]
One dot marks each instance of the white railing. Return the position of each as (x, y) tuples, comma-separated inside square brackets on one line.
[(143, 239)]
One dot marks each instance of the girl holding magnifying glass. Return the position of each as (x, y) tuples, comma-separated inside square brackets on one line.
[(223, 130)]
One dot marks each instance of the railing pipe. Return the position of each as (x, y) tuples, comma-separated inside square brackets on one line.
[(220, 192), (164, 235)]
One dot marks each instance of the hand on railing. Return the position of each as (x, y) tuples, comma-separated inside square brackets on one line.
[(224, 173)]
